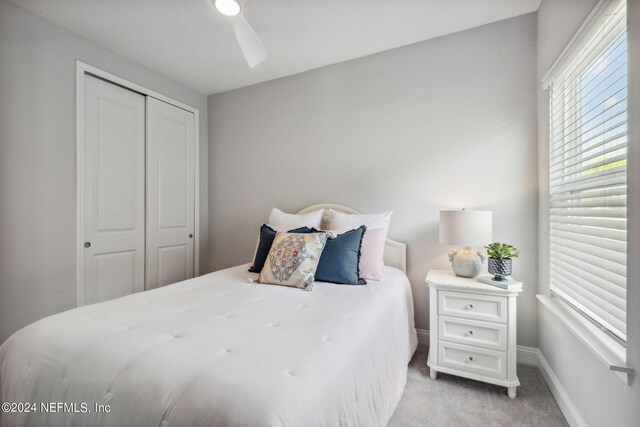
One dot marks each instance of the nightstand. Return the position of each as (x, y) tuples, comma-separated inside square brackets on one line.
[(472, 330)]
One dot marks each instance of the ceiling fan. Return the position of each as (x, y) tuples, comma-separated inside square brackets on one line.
[(250, 44)]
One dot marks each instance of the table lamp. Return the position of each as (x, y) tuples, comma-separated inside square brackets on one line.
[(465, 228)]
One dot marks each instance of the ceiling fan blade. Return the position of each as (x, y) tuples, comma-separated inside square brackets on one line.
[(250, 43)]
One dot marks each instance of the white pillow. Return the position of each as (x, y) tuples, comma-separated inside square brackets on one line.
[(281, 221), (344, 222)]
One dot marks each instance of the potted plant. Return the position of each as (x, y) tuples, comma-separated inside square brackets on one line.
[(500, 255)]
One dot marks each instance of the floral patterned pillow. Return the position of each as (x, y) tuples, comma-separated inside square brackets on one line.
[(293, 260)]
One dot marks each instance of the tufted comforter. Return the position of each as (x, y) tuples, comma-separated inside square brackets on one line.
[(217, 351)]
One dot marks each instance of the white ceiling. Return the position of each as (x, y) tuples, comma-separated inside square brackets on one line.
[(187, 41)]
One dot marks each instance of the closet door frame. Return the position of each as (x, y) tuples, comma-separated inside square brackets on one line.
[(83, 69)]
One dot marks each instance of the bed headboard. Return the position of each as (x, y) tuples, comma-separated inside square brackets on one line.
[(395, 253)]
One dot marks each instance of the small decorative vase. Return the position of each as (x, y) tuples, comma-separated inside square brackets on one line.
[(466, 262), (500, 268)]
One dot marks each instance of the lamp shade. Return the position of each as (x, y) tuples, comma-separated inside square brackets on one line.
[(465, 228)]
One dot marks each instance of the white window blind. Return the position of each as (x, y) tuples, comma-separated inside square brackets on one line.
[(588, 171)]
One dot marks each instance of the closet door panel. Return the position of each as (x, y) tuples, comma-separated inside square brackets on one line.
[(115, 274), (112, 188), (173, 170), (170, 193), (173, 264)]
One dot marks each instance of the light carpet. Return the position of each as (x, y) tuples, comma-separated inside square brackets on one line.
[(455, 401)]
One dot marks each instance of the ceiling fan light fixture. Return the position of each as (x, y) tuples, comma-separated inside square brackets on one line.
[(228, 7)]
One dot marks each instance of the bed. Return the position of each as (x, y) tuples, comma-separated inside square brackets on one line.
[(219, 350)]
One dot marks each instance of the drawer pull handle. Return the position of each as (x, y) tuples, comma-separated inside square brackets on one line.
[(469, 333), (468, 306), (470, 358)]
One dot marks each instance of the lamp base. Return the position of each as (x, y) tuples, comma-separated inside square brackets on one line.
[(466, 262)]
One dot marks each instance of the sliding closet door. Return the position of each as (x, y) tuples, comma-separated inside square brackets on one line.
[(170, 193), (111, 216)]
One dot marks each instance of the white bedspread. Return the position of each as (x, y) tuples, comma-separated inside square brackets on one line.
[(219, 351)]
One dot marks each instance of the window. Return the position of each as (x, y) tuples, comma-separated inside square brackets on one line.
[(588, 171)]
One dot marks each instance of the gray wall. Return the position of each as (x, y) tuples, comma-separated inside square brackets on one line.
[(599, 396), (38, 165), (446, 123)]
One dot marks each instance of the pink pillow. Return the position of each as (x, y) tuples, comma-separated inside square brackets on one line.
[(372, 254), (372, 251)]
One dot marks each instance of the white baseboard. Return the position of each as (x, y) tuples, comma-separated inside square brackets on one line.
[(569, 410), (423, 336), (533, 356), (527, 355)]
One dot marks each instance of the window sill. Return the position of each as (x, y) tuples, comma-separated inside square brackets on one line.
[(607, 349)]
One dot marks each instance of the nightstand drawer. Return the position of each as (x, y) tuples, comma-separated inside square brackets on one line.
[(472, 306), (473, 332), (473, 360)]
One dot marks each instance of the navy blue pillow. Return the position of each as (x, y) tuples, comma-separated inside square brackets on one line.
[(340, 259), (267, 236)]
